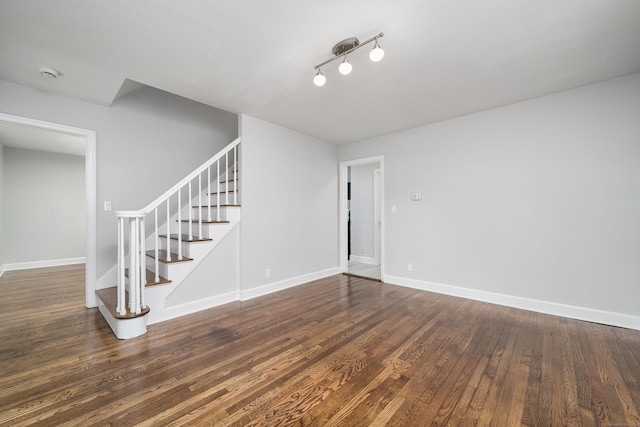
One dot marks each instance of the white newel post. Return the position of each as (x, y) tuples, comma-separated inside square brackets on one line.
[(136, 261), (121, 307)]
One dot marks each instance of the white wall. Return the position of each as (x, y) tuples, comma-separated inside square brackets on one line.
[(289, 207), (362, 211), (146, 141), (532, 204), (43, 207)]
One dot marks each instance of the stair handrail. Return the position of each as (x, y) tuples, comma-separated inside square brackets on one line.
[(173, 190), (137, 235)]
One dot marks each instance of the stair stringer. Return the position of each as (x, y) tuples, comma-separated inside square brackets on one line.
[(184, 274)]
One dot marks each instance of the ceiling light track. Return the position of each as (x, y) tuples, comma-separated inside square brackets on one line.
[(344, 48)]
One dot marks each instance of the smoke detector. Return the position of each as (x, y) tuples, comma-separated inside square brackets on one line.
[(49, 73)]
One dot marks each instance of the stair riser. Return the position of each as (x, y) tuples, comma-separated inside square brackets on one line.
[(189, 249), (195, 212), (175, 271)]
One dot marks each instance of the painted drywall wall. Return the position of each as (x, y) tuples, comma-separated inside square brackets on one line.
[(362, 213), (43, 206), (536, 200), (146, 141), (289, 206)]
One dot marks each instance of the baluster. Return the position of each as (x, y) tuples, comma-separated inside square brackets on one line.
[(235, 175), (168, 231), (121, 308), (190, 214), (133, 263), (156, 262), (209, 192), (143, 267), (218, 192), (179, 223), (226, 156), (200, 206)]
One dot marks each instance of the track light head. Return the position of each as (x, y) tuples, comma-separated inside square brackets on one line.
[(345, 67), (319, 79), (376, 53)]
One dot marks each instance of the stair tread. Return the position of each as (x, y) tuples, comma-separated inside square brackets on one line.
[(162, 254), (109, 297), (185, 238), (223, 192), (204, 221), (151, 278), (226, 205)]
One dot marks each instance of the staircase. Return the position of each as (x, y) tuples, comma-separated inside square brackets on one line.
[(161, 245)]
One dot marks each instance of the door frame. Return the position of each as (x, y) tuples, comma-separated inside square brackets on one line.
[(90, 192), (343, 214)]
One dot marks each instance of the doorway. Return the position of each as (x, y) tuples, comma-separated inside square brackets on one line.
[(89, 138), (361, 217)]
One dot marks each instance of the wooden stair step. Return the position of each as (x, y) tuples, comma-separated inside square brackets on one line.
[(109, 297), (185, 238), (223, 192), (213, 221), (162, 255), (151, 278), (227, 205)]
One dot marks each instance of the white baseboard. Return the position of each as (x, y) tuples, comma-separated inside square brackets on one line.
[(172, 312), (288, 283), (1, 270), (41, 264), (363, 260), (547, 307)]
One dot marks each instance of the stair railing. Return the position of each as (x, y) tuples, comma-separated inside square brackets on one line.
[(223, 164)]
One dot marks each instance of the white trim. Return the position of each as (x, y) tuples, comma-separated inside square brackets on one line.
[(546, 307), (364, 260), (41, 264), (90, 193), (377, 222), (124, 329), (342, 216), (171, 312), (2, 270), (285, 284)]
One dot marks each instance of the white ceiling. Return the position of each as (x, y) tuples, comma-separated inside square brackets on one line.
[(444, 58)]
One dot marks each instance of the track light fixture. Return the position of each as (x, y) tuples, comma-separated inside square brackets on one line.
[(342, 49)]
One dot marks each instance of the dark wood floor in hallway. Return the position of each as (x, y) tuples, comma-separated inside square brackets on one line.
[(340, 351)]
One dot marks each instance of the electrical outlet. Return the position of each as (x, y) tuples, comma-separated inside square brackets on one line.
[(107, 206), (416, 197), (267, 272), (409, 267)]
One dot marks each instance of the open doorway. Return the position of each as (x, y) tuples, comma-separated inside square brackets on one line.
[(361, 218), (88, 138)]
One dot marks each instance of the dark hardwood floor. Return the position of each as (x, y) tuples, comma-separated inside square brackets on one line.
[(341, 351)]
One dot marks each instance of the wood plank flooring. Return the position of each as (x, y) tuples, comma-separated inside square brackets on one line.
[(341, 351)]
